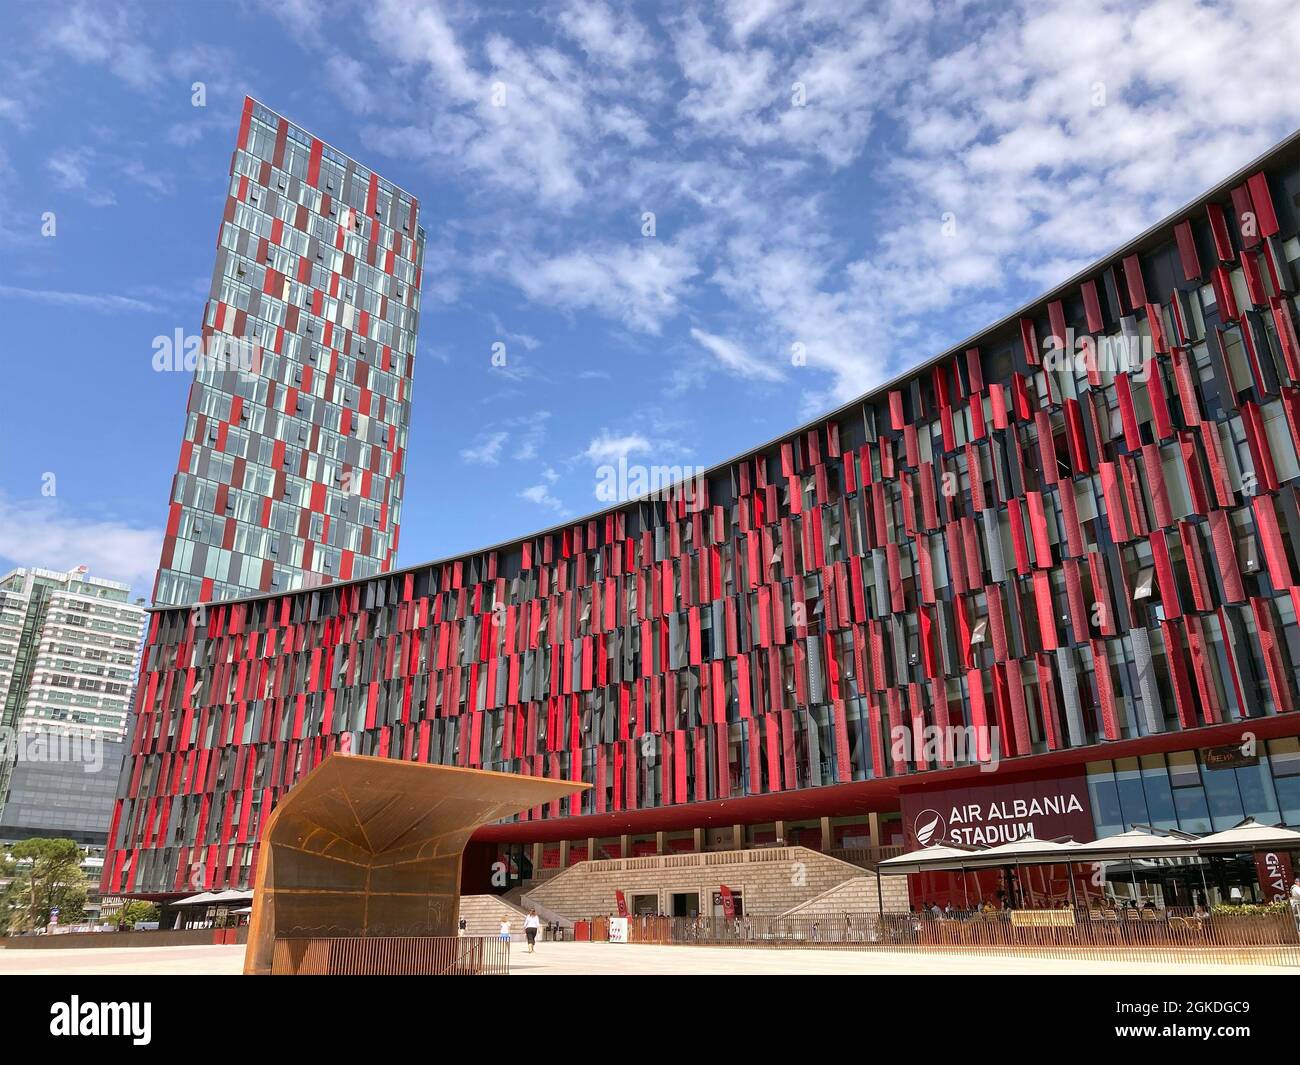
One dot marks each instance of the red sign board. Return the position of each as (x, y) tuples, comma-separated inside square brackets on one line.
[(989, 814), (1274, 871)]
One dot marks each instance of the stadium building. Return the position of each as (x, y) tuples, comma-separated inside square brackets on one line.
[(1046, 582)]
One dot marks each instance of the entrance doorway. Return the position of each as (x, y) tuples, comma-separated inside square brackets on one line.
[(645, 905), (686, 903)]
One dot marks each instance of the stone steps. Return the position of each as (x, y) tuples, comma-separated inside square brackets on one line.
[(483, 914), (771, 881)]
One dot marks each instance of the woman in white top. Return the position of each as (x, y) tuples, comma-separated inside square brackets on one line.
[(505, 928), (531, 924)]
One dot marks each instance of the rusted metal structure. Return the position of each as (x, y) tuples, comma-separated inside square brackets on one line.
[(371, 848)]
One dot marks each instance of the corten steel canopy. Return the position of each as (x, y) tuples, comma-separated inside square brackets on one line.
[(367, 846)]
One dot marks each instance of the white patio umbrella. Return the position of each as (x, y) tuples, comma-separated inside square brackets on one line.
[(1140, 843), (203, 898), (937, 857), (230, 896), (1135, 843), (1029, 847), (1250, 835)]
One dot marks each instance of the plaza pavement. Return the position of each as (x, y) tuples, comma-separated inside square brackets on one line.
[(605, 959)]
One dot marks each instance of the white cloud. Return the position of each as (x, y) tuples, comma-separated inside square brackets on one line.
[(638, 284), (46, 535), (92, 36), (735, 359), (618, 40), (526, 434), (609, 449), (486, 449), (541, 121), (71, 170), (541, 495), (87, 301), (532, 432), (347, 78)]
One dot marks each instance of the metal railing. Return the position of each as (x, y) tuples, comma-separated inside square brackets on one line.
[(1094, 934), (392, 956)]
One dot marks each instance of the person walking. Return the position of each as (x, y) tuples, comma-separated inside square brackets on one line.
[(531, 924), (505, 928), (461, 926)]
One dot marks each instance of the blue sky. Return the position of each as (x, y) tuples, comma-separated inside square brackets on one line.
[(859, 184)]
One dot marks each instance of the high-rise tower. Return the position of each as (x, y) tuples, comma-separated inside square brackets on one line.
[(292, 464)]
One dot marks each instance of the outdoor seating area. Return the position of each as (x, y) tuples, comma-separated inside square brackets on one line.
[(211, 909), (1142, 872)]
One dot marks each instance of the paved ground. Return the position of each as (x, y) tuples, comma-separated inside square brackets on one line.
[(604, 959), (130, 961)]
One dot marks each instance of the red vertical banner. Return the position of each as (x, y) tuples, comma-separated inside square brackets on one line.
[(621, 900), (728, 901), (1275, 875)]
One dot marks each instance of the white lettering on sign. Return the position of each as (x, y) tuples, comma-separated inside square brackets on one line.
[(1006, 821)]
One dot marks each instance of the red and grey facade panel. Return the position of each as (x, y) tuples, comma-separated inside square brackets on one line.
[(1085, 558)]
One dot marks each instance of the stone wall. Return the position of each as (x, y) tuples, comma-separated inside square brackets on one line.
[(856, 896), (483, 915)]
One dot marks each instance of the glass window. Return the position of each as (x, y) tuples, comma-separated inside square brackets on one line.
[(1189, 796), (1288, 793), (1224, 798), (1104, 798), (1258, 798), (1159, 794), (1132, 801)]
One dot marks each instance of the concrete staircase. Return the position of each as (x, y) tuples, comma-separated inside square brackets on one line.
[(771, 881), (483, 914), (522, 897)]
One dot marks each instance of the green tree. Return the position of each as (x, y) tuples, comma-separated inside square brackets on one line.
[(46, 876), (135, 911)]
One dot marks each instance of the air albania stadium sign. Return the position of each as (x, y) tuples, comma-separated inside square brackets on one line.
[(987, 815)]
